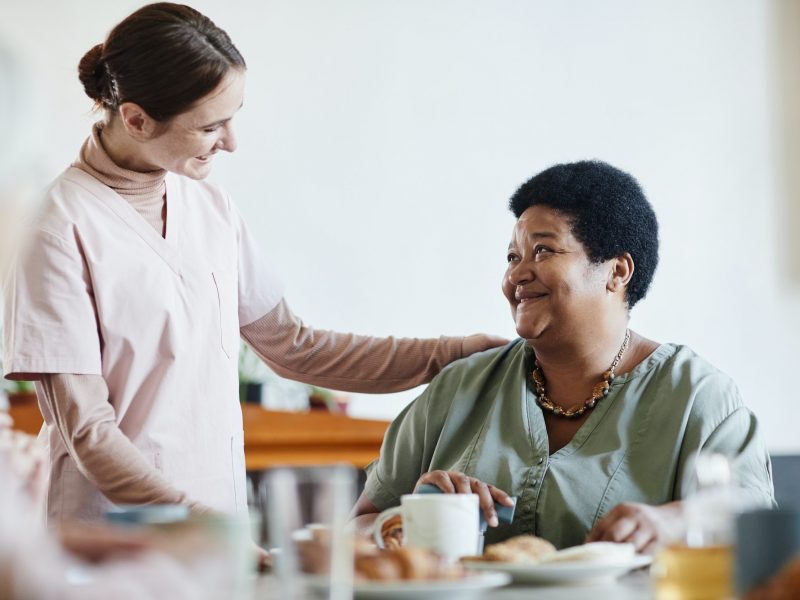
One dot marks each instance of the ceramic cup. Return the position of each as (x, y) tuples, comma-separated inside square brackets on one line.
[(444, 523), (765, 540)]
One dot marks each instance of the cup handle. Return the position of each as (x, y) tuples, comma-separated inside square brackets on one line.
[(384, 516)]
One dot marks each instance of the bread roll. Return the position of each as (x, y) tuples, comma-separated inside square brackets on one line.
[(520, 549)]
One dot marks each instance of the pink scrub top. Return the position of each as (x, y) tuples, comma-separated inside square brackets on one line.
[(101, 292)]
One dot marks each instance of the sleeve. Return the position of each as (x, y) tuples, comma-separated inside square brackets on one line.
[(346, 361), (732, 431), (739, 437), (407, 450), (49, 312), (260, 288), (85, 420)]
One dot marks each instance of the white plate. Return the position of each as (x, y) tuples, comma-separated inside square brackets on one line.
[(565, 572), (470, 586)]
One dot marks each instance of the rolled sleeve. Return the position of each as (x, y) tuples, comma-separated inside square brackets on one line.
[(49, 312)]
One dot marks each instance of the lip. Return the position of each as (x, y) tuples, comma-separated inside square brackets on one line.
[(526, 297), (205, 157)]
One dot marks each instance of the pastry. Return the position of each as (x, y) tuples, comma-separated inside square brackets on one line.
[(392, 532), (520, 549), (607, 552)]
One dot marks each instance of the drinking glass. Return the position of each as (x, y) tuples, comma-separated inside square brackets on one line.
[(309, 532)]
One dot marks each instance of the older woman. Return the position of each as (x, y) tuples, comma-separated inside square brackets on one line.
[(588, 423)]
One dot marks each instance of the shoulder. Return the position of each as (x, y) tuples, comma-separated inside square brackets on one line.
[(465, 382), (483, 365), (710, 394), (67, 204)]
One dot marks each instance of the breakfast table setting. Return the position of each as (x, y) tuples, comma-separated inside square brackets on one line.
[(431, 547), (633, 586)]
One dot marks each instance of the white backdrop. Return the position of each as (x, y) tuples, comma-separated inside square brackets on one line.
[(380, 140)]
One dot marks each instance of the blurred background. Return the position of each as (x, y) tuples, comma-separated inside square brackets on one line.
[(379, 143)]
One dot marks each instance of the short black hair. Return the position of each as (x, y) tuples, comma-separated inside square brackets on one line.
[(608, 212)]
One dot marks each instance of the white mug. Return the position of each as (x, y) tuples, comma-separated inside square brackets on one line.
[(445, 523)]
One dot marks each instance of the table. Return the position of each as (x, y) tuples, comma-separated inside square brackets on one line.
[(634, 586)]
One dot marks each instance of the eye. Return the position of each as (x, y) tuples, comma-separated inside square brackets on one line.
[(211, 129), (511, 257), (541, 249)]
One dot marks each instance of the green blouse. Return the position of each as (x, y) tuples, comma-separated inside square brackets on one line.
[(480, 416)]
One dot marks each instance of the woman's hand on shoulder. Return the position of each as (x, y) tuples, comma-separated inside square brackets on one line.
[(645, 526), (480, 342), (454, 482)]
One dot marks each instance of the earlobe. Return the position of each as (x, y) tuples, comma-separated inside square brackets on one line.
[(620, 274), (136, 121)]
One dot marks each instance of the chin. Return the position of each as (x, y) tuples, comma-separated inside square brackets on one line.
[(195, 173), (530, 331)]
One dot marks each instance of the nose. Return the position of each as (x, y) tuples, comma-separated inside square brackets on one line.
[(227, 140), (519, 273)]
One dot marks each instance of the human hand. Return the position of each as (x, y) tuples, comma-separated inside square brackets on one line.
[(480, 342), (263, 559), (27, 460), (646, 527), (453, 482), (96, 543)]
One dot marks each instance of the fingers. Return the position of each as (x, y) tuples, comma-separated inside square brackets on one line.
[(620, 530), (454, 482), (642, 537), (486, 501), (440, 479), (500, 496), (607, 527), (462, 483), (480, 342), (631, 523)]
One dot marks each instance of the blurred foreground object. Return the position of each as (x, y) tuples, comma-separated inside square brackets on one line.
[(767, 541), (783, 586), (701, 568), (299, 502)]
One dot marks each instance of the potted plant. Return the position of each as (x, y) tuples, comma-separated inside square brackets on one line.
[(20, 393), (325, 399), (252, 375)]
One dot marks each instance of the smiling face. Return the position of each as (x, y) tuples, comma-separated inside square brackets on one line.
[(191, 139), (550, 283)]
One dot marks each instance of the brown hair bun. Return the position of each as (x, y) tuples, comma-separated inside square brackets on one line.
[(164, 57), (94, 77)]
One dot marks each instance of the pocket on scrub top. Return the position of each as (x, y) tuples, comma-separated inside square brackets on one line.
[(228, 304)]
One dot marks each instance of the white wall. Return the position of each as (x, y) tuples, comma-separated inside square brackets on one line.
[(380, 141)]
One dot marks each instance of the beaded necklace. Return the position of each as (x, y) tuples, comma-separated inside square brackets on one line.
[(599, 391)]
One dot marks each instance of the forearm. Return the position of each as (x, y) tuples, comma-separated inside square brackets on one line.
[(104, 455), (347, 361), (364, 525)]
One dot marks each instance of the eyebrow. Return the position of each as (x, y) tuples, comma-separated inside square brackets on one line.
[(221, 121), (537, 235)]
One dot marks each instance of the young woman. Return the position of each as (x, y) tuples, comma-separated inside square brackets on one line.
[(142, 277)]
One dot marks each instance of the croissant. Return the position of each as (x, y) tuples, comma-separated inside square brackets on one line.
[(392, 532)]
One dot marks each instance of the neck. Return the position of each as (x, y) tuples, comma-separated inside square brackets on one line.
[(124, 150), (572, 366)]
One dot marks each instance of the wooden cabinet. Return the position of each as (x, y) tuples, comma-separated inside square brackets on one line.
[(281, 438)]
